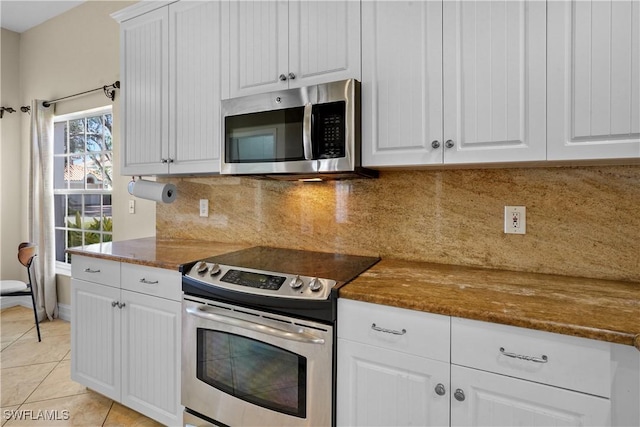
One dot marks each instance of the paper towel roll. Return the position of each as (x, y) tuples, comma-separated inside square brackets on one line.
[(157, 191)]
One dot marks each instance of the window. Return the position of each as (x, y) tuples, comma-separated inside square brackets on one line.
[(83, 171)]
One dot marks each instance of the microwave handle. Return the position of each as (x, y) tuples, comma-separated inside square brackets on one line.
[(297, 335), (306, 131)]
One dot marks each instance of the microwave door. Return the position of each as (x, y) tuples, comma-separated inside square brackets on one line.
[(267, 142)]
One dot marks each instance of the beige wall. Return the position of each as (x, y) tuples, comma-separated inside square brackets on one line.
[(11, 174), (74, 52), (581, 221)]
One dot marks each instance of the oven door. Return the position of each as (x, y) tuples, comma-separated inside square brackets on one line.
[(244, 367)]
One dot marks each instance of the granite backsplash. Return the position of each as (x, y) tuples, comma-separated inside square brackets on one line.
[(581, 221)]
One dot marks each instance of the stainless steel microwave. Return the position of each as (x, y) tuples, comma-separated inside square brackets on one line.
[(311, 132)]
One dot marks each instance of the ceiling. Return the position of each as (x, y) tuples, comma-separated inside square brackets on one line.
[(19, 16)]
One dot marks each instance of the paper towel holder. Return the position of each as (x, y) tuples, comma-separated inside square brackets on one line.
[(151, 190), (131, 184)]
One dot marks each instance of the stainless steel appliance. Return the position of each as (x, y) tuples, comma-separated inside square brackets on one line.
[(308, 132), (258, 337)]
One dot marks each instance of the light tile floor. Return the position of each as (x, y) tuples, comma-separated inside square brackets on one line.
[(35, 382)]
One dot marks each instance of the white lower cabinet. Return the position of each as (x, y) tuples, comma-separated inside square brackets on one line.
[(125, 338), (151, 356), (403, 367), (393, 366), (380, 387), (485, 399), (95, 337)]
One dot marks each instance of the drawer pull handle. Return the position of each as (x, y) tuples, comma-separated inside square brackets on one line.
[(387, 331), (89, 270), (543, 359), (148, 282)]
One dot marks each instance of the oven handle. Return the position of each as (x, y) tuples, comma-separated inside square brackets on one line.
[(299, 336)]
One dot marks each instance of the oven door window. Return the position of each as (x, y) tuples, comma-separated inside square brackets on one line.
[(270, 136), (253, 371)]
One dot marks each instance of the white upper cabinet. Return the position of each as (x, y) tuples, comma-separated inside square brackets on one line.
[(594, 80), (324, 41), (494, 81), (173, 80), (453, 82), (401, 82), (144, 50), (285, 44), (259, 48), (196, 50)]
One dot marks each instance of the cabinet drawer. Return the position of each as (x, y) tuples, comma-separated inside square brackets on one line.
[(564, 361), (409, 331), (152, 281), (96, 270)]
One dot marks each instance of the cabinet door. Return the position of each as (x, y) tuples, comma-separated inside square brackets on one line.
[(151, 356), (259, 47), (145, 93), (594, 80), (494, 62), (95, 337), (380, 387), (401, 83), (324, 41), (197, 84), (496, 400)]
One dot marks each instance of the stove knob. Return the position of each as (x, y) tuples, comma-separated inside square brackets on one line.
[(296, 282), (315, 285), (202, 267), (215, 270)]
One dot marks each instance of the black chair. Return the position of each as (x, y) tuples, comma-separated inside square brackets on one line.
[(14, 288)]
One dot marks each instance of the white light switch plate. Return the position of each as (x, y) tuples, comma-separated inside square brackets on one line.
[(204, 208)]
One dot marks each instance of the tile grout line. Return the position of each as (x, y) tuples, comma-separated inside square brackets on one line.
[(38, 386), (106, 417), (56, 365), (17, 339)]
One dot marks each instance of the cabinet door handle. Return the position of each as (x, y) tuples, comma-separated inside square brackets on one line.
[(440, 390), (435, 144), (449, 143), (459, 395), (543, 359), (121, 304), (114, 303), (292, 76), (282, 77), (89, 270), (388, 331), (148, 282)]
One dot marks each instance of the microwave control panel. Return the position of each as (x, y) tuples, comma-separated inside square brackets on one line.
[(329, 137)]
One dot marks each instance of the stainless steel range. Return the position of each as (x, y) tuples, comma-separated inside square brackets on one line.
[(258, 334)]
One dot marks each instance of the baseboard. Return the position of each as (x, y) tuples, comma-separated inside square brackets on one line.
[(25, 301), (64, 312)]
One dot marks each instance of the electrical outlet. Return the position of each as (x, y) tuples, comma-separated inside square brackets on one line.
[(515, 219), (204, 208), (132, 206)]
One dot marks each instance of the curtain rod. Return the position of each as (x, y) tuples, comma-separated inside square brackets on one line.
[(109, 92)]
